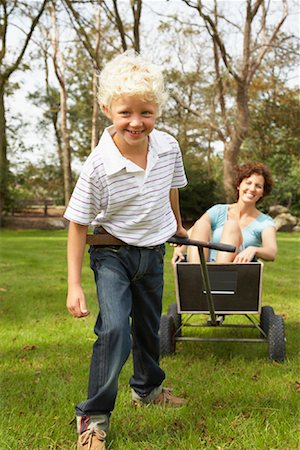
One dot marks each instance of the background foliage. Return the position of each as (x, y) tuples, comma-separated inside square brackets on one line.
[(173, 36)]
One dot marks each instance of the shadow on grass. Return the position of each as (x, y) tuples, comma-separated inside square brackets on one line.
[(249, 351)]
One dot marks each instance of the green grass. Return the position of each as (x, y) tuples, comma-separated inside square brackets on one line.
[(237, 398)]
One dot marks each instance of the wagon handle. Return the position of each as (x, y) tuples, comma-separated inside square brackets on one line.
[(186, 241)]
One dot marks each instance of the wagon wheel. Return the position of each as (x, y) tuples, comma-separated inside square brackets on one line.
[(266, 316), (276, 339), (172, 311), (167, 332)]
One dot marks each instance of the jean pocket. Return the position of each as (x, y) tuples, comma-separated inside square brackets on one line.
[(161, 251), (104, 248), (109, 248)]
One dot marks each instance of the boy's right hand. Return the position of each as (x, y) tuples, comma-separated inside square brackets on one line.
[(76, 302)]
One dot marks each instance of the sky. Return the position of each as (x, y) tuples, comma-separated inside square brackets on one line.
[(41, 146)]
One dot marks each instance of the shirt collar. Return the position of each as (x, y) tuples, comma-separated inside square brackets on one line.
[(112, 159)]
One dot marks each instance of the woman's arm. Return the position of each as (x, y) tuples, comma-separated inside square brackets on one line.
[(200, 231), (267, 251), (76, 302)]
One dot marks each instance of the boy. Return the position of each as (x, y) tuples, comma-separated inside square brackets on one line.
[(128, 190)]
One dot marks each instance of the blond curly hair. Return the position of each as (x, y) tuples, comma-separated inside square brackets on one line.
[(130, 74)]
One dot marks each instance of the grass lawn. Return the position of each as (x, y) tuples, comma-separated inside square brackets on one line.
[(237, 398)]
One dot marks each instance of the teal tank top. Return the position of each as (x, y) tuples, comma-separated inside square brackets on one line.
[(251, 234)]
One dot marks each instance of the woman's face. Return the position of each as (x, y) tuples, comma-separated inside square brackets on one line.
[(251, 188)]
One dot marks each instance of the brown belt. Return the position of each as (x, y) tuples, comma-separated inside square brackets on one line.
[(103, 238)]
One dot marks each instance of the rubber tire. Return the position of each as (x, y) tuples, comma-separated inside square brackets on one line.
[(276, 339), (266, 316), (167, 338), (172, 311)]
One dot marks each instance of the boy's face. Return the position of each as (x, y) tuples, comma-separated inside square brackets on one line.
[(133, 119)]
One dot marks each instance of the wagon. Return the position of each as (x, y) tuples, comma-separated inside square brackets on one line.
[(216, 291)]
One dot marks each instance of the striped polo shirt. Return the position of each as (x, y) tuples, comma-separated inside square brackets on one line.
[(112, 193)]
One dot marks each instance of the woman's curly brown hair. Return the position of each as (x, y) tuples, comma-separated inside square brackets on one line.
[(246, 170)]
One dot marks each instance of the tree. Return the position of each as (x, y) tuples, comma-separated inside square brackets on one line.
[(216, 92), (274, 137), (96, 41), (7, 68), (84, 120), (203, 189), (95, 114), (48, 99), (115, 18), (231, 122), (59, 69), (83, 105), (37, 180)]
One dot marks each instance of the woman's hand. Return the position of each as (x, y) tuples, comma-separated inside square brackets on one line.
[(246, 255), (179, 250), (178, 254)]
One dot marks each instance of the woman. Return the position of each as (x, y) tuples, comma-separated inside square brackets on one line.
[(240, 224)]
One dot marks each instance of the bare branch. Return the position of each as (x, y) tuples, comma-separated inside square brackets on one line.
[(108, 12), (219, 78), (255, 8), (207, 124), (116, 20), (34, 22), (95, 127), (120, 26), (266, 47), (136, 6), (247, 40), (215, 35), (81, 33), (3, 32), (261, 33), (55, 43)]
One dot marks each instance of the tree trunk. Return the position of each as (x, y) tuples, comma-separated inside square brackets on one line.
[(95, 113), (231, 150), (3, 152), (242, 73), (5, 72), (66, 145), (59, 145), (59, 72), (233, 144), (95, 121), (53, 112), (136, 6)]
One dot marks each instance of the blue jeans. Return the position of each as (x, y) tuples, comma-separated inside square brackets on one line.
[(129, 282)]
